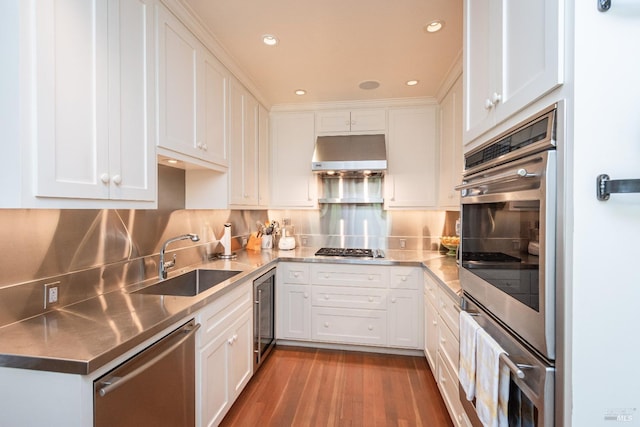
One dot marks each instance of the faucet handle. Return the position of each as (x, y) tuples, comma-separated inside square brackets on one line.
[(172, 263)]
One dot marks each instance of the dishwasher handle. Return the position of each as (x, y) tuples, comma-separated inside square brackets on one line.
[(115, 382)]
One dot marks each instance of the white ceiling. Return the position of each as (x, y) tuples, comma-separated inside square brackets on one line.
[(328, 47)]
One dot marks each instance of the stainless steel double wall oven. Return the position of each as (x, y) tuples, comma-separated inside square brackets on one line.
[(507, 257)]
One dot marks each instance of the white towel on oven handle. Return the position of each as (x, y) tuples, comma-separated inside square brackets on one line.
[(492, 382), (467, 369)]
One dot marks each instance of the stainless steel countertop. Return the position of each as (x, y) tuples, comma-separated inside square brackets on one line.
[(82, 337)]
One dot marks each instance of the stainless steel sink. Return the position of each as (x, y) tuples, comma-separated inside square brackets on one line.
[(189, 284)]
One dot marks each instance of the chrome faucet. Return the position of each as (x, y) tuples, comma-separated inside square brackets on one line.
[(163, 266)]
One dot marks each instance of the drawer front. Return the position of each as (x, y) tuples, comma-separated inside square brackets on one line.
[(430, 289), (294, 273), (405, 277), (223, 311), (350, 275), (347, 297), (448, 385), (449, 347), (449, 313), (349, 326)]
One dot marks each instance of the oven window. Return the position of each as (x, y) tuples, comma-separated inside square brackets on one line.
[(500, 245), (522, 412)]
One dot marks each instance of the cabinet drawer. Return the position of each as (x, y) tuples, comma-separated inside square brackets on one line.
[(449, 313), (224, 310), (294, 273), (349, 325), (449, 347), (448, 385), (405, 277), (431, 289), (347, 297), (350, 275)]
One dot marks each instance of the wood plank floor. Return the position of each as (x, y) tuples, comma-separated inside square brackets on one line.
[(314, 387)]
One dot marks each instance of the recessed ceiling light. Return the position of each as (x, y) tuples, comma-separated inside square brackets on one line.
[(269, 40), (300, 92), (172, 161), (434, 26), (369, 84), (412, 82)]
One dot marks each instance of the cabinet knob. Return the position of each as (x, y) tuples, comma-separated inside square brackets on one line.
[(306, 295), (117, 179), (495, 98), (434, 323), (370, 327), (488, 105), (393, 300), (370, 299), (296, 274), (104, 178), (199, 145), (443, 340), (326, 276), (370, 277), (326, 297), (205, 147), (326, 324), (404, 278)]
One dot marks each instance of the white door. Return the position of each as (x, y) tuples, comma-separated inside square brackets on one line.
[(71, 44)]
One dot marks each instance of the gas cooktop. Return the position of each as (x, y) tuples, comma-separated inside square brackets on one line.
[(351, 252)]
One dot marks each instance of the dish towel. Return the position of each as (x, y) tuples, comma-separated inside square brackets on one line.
[(467, 369), (492, 382)]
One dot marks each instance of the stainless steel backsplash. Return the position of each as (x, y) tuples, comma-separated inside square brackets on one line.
[(91, 252)]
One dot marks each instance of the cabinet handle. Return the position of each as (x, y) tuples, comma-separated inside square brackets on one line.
[(117, 179), (104, 178)]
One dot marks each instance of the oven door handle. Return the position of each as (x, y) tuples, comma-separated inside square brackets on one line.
[(517, 368), (520, 173)]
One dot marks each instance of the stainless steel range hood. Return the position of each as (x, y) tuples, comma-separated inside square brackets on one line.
[(350, 154)]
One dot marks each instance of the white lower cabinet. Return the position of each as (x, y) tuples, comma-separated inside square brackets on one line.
[(350, 304), (442, 345), (224, 360)]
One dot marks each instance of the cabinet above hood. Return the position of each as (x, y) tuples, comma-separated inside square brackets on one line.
[(350, 154)]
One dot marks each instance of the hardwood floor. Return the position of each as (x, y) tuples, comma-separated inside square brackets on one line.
[(314, 387)]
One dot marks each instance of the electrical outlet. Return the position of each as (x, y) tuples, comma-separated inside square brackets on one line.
[(403, 243), (51, 294), (244, 241), (304, 240)]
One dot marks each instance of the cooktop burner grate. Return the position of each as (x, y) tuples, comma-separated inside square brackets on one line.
[(349, 252)]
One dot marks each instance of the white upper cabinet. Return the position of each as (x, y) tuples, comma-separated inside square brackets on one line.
[(243, 187), (263, 157), (192, 96), (512, 57), (354, 121), (451, 163), (93, 94), (412, 175), (293, 185)]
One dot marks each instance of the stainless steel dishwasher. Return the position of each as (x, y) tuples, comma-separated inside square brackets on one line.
[(155, 387)]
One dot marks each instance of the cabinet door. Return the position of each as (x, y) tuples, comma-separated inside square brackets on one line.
[(451, 164), (293, 185), (369, 120), (132, 158), (479, 35), (412, 173), (294, 306), (405, 318), (178, 71), (71, 48), (333, 121), (214, 391), (212, 111), (263, 157), (241, 363), (244, 146), (529, 53)]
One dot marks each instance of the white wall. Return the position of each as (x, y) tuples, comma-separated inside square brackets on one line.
[(604, 263)]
